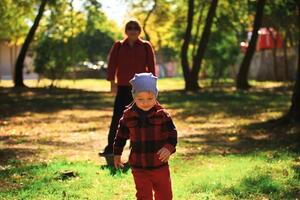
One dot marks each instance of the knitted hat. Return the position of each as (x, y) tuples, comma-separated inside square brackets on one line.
[(144, 82)]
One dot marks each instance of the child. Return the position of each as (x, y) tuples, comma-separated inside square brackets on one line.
[(153, 138)]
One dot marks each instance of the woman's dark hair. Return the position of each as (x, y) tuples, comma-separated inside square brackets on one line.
[(134, 23)]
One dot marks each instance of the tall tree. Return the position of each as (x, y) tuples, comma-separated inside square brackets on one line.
[(197, 60), (198, 26), (294, 112), (242, 76), (186, 41), (18, 77), (191, 74)]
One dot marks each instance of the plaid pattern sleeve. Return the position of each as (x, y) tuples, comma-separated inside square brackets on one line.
[(170, 129), (121, 137)]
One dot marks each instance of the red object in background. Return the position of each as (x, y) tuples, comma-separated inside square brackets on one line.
[(244, 46), (265, 40)]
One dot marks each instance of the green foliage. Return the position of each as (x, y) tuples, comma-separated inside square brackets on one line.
[(92, 33), (53, 57), (232, 22), (160, 26), (97, 21), (15, 17), (282, 15), (68, 37), (96, 44), (57, 49), (220, 55), (228, 31)]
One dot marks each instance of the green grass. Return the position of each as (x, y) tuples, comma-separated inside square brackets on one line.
[(250, 176), (94, 84), (43, 181), (227, 147)]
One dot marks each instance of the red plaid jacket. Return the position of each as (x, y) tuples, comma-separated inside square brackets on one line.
[(147, 137)]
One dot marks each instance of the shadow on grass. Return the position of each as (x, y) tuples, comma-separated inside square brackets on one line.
[(253, 186), (259, 183), (284, 134), (260, 136), (204, 102), (113, 171), (12, 154), (11, 175), (110, 166), (226, 144), (42, 100), (33, 178), (232, 103), (296, 169)]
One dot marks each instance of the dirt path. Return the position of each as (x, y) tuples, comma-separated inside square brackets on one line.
[(72, 134), (39, 125), (79, 135)]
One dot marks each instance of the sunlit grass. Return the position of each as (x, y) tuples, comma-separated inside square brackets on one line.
[(44, 181), (84, 84), (224, 151), (94, 84), (176, 83), (251, 176)]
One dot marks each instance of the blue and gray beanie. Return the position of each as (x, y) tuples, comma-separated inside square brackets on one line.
[(144, 82)]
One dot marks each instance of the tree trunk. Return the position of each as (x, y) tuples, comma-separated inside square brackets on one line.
[(18, 77), (274, 54), (184, 48), (197, 60), (195, 39), (146, 20), (294, 112), (295, 107), (285, 56), (242, 77)]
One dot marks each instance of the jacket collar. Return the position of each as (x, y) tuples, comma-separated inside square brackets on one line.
[(138, 41), (133, 109)]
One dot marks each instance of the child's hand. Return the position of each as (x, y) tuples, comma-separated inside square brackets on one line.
[(164, 154), (117, 161)]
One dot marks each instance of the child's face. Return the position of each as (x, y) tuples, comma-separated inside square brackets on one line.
[(145, 100)]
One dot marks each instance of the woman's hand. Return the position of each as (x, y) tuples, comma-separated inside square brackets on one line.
[(118, 163), (164, 154), (113, 87)]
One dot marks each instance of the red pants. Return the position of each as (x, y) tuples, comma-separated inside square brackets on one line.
[(157, 180)]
